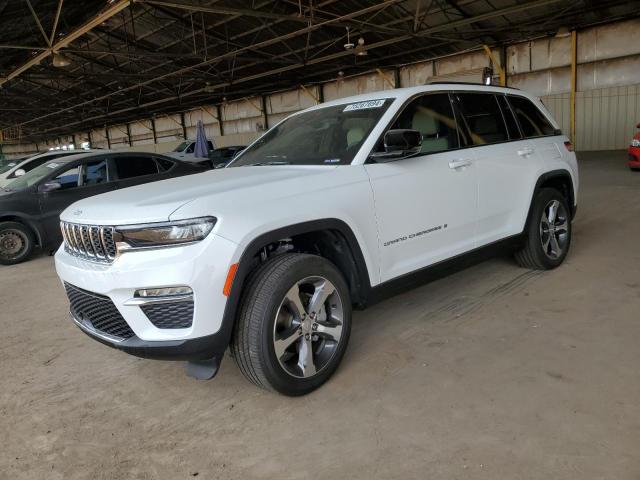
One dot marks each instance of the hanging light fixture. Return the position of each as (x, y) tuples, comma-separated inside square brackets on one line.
[(349, 45), (360, 49), (60, 60)]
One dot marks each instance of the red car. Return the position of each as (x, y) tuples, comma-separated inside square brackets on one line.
[(634, 152)]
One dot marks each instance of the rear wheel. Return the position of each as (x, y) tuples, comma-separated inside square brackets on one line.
[(16, 243), (294, 324), (548, 232)]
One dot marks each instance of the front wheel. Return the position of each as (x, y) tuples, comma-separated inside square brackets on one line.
[(16, 243), (294, 324), (548, 232)]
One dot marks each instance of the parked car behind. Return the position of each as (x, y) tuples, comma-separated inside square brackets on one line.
[(185, 151), (634, 151), (221, 156), (6, 161), (19, 167), (30, 205)]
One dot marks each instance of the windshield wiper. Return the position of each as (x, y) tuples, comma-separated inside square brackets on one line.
[(262, 164)]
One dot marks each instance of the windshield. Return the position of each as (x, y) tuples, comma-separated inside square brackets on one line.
[(181, 147), (326, 136), (34, 176), (7, 167)]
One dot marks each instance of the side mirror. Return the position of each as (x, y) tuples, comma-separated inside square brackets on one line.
[(49, 187), (398, 144), (19, 172)]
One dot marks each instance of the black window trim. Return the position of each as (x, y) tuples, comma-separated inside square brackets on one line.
[(369, 161), (503, 95)]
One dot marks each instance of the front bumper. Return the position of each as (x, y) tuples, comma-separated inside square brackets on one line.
[(193, 349), (202, 266)]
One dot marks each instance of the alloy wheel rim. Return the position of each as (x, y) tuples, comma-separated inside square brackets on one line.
[(12, 244), (554, 229), (308, 327)]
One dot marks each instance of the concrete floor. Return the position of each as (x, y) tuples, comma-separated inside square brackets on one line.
[(492, 373)]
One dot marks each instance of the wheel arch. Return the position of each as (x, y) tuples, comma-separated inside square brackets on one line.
[(27, 223), (347, 256), (562, 181)]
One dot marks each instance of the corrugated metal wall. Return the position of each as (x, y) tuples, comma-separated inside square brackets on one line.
[(607, 102)]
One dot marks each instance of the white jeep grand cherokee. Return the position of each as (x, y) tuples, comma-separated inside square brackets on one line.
[(331, 208)]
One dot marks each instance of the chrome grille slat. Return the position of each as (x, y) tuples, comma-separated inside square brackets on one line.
[(84, 236), (91, 242), (96, 242), (76, 238)]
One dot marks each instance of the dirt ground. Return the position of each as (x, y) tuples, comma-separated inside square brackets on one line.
[(492, 373)]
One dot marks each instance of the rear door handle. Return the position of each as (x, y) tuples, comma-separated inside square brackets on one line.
[(454, 164), (525, 152)]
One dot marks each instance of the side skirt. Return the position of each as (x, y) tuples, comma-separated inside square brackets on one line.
[(442, 269)]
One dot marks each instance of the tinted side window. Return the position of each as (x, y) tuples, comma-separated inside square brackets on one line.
[(533, 123), (164, 164), (509, 118), (190, 148), (129, 167), (432, 116), (483, 118), (209, 145), (95, 173), (36, 163), (69, 178)]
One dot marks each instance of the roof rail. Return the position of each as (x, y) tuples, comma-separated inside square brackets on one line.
[(441, 82)]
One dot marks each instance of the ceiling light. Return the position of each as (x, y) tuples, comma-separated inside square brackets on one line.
[(360, 50), (60, 60)]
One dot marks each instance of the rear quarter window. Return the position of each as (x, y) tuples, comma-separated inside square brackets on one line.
[(533, 122)]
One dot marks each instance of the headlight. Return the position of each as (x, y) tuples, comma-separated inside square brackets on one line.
[(156, 235), (635, 142)]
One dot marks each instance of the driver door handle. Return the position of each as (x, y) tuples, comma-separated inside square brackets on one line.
[(455, 164)]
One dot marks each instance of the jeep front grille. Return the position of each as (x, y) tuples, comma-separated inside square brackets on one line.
[(90, 242)]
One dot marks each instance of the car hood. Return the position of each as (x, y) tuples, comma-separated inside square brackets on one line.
[(157, 201)]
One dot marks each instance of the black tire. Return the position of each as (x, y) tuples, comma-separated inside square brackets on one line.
[(253, 343), (534, 254), (16, 243)]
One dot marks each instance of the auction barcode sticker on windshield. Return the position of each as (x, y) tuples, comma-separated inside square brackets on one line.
[(364, 105)]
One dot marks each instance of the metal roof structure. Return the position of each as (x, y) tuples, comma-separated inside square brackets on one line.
[(70, 65)]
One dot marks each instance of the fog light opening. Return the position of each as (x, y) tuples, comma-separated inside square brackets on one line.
[(163, 292)]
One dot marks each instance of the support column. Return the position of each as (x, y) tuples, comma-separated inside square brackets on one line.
[(129, 135), (153, 130), (265, 117), (106, 131), (184, 128), (219, 112)]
